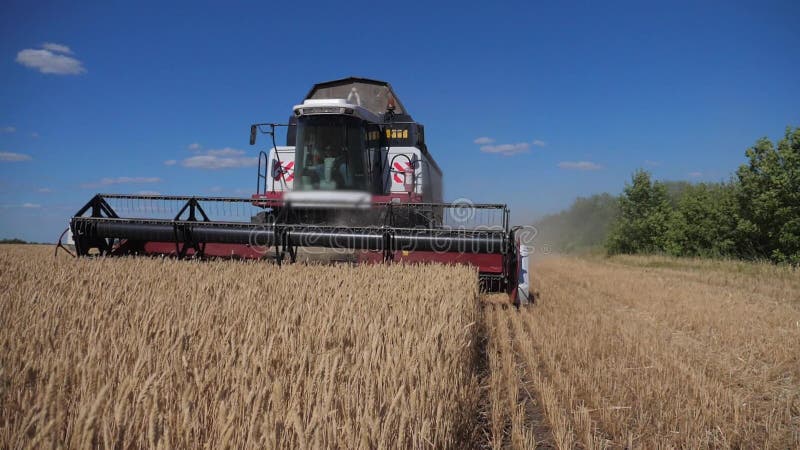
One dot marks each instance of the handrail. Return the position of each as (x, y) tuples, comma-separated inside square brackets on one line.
[(466, 214), (250, 199), (260, 175)]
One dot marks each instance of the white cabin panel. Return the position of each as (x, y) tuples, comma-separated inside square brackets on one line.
[(280, 169), (424, 178)]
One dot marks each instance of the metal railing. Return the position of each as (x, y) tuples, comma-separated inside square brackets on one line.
[(461, 215)]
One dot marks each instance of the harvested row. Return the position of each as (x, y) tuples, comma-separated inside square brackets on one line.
[(510, 403), (638, 357), (149, 353)]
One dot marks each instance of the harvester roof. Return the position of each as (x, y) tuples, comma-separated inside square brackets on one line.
[(371, 94)]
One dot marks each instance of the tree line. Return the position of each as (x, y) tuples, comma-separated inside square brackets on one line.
[(754, 215)]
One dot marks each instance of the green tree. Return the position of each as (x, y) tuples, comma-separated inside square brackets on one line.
[(675, 190), (644, 217), (769, 200), (704, 223)]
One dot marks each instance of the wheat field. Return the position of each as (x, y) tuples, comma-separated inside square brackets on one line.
[(635, 352), (627, 352), (150, 353)]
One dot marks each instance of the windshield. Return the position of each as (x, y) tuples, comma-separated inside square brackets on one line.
[(330, 154)]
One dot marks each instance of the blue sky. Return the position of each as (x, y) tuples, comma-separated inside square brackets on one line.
[(572, 97)]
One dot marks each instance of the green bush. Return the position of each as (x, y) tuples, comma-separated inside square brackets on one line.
[(704, 222)]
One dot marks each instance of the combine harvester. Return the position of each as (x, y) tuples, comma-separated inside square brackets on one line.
[(355, 178)]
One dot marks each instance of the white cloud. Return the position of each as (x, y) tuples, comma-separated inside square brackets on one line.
[(695, 174), (8, 129), (57, 48), (579, 165), (225, 158), (507, 149), (14, 157), (195, 146), (650, 163), (227, 151), (148, 193), (24, 205), (44, 190), (122, 180), (35, 135), (170, 162), (215, 189), (487, 146), (52, 58)]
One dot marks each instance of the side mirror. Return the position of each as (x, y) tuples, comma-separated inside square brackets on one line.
[(253, 132)]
